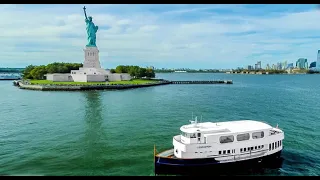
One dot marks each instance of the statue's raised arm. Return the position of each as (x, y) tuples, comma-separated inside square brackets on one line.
[(85, 14)]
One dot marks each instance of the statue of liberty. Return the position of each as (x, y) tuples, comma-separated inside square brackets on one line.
[(91, 30)]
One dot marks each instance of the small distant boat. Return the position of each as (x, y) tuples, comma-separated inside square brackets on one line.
[(180, 71), (221, 146)]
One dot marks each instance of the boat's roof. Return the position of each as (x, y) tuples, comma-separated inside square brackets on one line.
[(224, 127)]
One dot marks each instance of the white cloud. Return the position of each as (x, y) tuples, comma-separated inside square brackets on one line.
[(212, 40)]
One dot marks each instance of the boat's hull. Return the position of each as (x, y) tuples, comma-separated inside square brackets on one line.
[(212, 166)]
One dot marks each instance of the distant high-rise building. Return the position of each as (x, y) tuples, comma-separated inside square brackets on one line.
[(267, 67), (259, 64), (274, 67), (249, 67), (302, 63), (284, 65), (290, 66), (318, 60), (279, 66), (313, 65)]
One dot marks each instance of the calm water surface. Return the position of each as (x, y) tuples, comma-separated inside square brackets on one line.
[(113, 132)]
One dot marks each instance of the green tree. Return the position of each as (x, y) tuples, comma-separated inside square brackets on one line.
[(112, 70), (56, 67), (150, 73), (26, 73), (120, 69), (52, 68), (141, 73), (38, 72), (134, 71)]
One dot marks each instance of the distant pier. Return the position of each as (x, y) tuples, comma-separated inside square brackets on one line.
[(203, 82)]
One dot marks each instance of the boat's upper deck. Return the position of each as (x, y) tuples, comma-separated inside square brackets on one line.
[(225, 127)]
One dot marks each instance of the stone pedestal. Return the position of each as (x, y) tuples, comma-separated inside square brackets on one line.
[(91, 58), (91, 70)]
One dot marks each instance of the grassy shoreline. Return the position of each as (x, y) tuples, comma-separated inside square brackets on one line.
[(134, 81)]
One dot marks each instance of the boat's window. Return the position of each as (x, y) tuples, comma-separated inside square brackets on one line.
[(276, 145), (240, 149), (245, 149), (182, 133), (186, 134), (228, 151), (280, 142), (272, 146), (257, 135), (258, 147), (193, 135), (224, 151), (243, 137), (255, 147), (251, 148), (226, 139), (195, 152), (262, 146), (199, 134), (269, 147), (219, 152)]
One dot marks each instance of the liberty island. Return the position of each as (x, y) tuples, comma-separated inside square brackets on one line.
[(89, 75), (92, 76)]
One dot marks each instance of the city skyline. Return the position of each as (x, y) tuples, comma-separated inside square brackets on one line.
[(168, 36)]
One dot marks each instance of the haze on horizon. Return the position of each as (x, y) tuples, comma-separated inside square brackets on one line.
[(163, 36)]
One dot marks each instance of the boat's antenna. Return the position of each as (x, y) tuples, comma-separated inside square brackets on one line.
[(192, 116), (201, 119)]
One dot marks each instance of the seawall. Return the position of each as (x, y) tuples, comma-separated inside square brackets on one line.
[(55, 87), (87, 87)]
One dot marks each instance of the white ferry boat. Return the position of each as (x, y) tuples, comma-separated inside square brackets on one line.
[(221, 145)]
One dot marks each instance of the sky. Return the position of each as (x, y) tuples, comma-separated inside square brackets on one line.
[(164, 36)]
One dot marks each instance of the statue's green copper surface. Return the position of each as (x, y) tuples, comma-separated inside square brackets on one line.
[(91, 30)]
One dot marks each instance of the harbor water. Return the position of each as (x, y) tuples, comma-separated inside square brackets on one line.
[(114, 132)]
